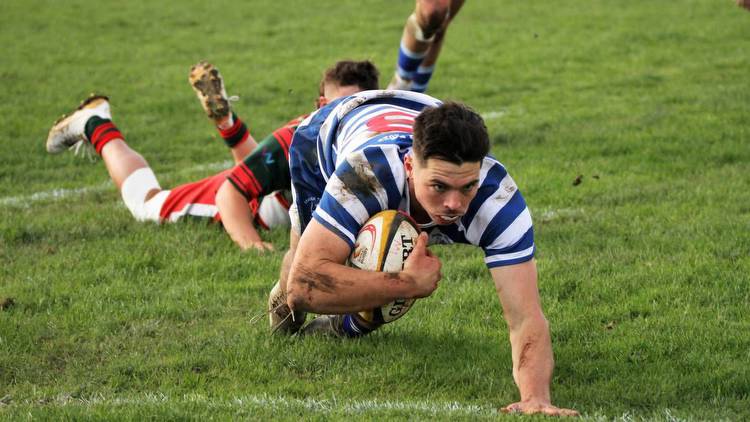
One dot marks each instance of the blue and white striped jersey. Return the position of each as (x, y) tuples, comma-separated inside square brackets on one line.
[(360, 146)]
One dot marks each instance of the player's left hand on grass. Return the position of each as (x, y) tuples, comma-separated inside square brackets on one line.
[(260, 246), (531, 407)]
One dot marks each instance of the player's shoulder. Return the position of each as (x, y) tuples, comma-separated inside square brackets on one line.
[(296, 121), (492, 172), (404, 99), (380, 156), (497, 194)]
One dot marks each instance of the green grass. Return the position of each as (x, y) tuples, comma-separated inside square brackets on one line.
[(643, 265)]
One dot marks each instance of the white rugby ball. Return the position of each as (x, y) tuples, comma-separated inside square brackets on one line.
[(383, 244)]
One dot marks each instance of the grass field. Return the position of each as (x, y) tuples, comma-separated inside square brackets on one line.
[(643, 264)]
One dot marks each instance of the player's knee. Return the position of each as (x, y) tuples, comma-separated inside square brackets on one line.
[(429, 18), (438, 37), (138, 195)]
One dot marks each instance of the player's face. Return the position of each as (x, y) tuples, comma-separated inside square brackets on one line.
[(443, 189)]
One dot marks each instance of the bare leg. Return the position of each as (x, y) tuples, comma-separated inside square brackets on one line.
[(421, 42), (242, 149), (121, 161), (437, 44)]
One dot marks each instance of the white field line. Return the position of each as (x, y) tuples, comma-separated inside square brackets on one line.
[(61, 194), (319, 406), (490, 115), (323, 406), (547, 215)]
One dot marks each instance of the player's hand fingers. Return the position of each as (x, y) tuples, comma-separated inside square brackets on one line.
[(262, 246), (421, 245), (565, 412), (420, 249), (556, 411), (512, 408), (534, 408)]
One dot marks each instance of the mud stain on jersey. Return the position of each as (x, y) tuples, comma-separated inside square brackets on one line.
[(359, 181)]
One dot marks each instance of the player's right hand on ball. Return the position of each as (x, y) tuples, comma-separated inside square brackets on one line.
[(422, 268)]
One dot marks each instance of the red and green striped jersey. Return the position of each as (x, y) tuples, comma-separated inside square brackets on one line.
[(266, 169)]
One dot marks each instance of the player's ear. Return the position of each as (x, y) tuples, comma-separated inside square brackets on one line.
[(322, 101), (408, 164)]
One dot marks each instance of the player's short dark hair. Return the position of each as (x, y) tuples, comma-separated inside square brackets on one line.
[(452, 132), (363, 74)]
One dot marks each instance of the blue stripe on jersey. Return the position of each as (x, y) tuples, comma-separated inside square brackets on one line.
[(333, 230), (401, 139), (526, 241), (401, 102), (489, 186), (349, 111), (362, 188), (331, 206), (384, 173), (328, 165), (309, 132), (504, 217), (512, 261)]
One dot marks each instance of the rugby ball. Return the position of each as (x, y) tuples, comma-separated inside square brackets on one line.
[(383, 244)]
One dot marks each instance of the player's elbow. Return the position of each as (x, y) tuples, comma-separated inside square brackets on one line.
[(300, 289), (295, 298), (534, 322)]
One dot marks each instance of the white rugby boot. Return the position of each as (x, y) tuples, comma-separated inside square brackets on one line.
[(68, 132), (280, 316), (209, 87)]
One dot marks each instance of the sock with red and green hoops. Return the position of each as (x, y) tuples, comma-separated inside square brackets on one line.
[(100, 131)]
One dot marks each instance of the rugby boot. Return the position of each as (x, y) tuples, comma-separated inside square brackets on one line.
[(280, 316), (325, 325), (351, 325), (68, 132), (209, 87)]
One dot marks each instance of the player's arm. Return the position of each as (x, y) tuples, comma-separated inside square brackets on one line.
[(243, 149), (264, 171), (237, 218), (320, 282), (531, 347)]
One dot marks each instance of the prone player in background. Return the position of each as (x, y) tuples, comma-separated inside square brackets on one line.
[(254, 193)]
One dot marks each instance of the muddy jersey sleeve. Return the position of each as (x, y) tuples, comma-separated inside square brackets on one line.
[(365, 182)]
